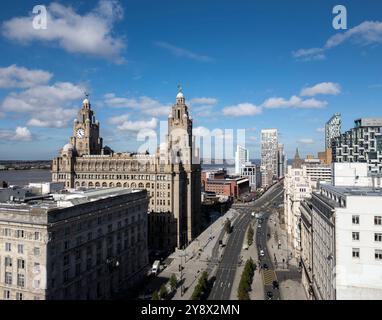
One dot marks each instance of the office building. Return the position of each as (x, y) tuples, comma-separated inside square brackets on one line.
[(269, 155), (171, 176), (332, 129), (363, 143), (241, 158), (74, 245)]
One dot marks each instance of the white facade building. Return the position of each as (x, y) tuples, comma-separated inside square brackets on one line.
[(341, 230), (297, 186), (319, 173), (252, 172), (241, 158), (269, 154)]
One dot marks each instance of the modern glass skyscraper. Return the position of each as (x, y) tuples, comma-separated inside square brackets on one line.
[(332, 129)]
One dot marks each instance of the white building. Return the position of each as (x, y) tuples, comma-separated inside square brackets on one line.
[(241, 158), (341, 230), (297, 186), (252, 172), (318, 173), (269, 154)]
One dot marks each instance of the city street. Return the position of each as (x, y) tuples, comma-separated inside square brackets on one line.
[(226, 270)]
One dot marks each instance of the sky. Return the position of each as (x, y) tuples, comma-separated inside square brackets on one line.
[(242, 65)]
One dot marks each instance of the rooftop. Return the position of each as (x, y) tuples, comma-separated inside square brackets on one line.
[(353, 190)]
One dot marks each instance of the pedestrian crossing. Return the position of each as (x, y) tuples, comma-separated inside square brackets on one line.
[(268, 277)]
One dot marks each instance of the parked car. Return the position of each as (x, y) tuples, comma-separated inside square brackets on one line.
[(275, 284), (265, 266), (269, 295)]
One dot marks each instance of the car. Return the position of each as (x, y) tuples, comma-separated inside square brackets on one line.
[(265, 266), (262, 254), (275, 284), (269, 295), (259, 226)]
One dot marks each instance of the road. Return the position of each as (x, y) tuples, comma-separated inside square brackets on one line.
[(225, 273), (269, 274)]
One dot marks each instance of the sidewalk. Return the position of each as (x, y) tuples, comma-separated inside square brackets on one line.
[(286, 267), (257, 292)]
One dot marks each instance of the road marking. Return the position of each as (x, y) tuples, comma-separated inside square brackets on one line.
[(268, 277)]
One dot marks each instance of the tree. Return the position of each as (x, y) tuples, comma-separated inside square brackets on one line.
[(201, 288), (163, 291), (250, 235), (173, 281), (227, 226), (155, 296)]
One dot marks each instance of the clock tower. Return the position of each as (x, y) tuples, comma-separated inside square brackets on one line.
[(86, 139)]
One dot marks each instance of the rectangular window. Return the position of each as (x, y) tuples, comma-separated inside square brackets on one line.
[(36, 251), (356, 253), (7, 295), (20, 264), (7, 232), (37, 235), (378, 254), (355, 219), (355, 236), (36, 284), (21, 280), (19, 296), (378, 237), (8, 261), (378, 220), (20, 248), (8, 247), (20, 233), (36, 267), (8, 278)]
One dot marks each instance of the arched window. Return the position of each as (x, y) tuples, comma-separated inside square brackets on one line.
[(147, 185), (97, 185), (83, 184), (104, 185), (125, 185), (140, 185), (119, 185), (90, 185), (133, 185), (111, 184)]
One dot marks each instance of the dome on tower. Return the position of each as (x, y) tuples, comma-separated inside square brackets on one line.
[(67, 147), (170, 115), (180, 95)]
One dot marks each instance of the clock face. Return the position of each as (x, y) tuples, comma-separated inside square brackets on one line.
[(80, 133)]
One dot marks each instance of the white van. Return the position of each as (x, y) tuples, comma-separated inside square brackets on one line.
[(156, 267)]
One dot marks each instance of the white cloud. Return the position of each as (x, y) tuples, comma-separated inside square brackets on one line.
[(366, 33), (293, 102), (320, 130), (242, 109), (20, 77), (89, 34), (138, 125), (322, 88), (305, 141), (118, 119), (145, 104), (201, 132), (47, 105), (180, 52), (203, 100), (20, 134)]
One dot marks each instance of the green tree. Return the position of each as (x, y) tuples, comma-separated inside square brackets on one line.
[(163, 291), (227, 226), (250, 235), (173, 281), (155, 296)]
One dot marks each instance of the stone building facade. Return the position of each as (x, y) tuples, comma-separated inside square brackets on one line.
[(84, 245), (171, 176)]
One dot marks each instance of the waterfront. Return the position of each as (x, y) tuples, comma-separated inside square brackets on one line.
[(23, 177)]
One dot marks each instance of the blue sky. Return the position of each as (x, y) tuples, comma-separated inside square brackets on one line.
[(242, 65)]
